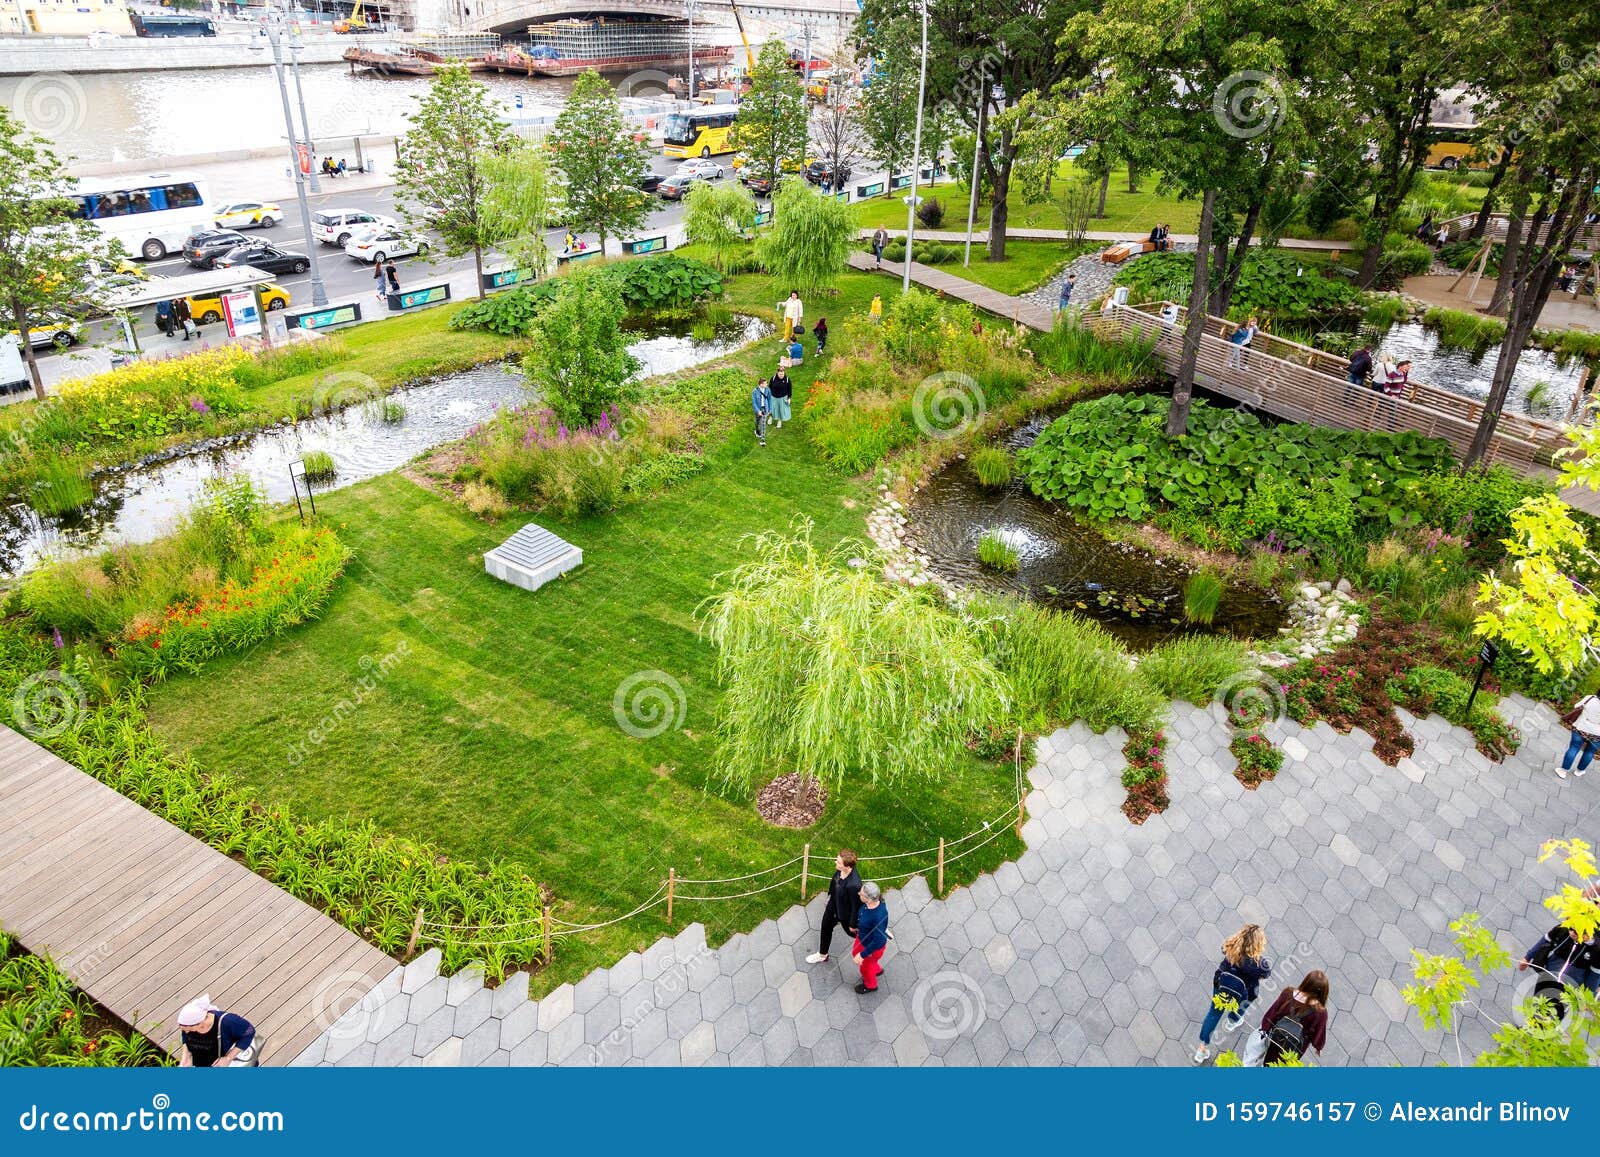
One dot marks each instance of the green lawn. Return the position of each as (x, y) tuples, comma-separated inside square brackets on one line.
[(1028, 264), (495, 734)]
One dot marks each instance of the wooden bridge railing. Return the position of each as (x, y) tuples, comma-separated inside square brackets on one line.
[(1271, 376)]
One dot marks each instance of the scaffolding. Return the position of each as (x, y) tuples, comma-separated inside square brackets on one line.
[(603, 39), (451, 45)]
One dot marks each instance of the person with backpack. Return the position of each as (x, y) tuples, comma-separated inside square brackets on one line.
[(844, 902), (1360, 367), (1584, 721), (1296, 1023), (1244, 966)]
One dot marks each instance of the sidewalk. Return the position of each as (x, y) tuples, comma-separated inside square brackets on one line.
[(982, 236)]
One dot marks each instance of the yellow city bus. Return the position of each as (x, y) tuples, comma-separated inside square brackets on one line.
[(700, 133), (1461, 150)]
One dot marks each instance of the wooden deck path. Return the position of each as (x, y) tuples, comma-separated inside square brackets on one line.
[(144, 917), (1021, 310)]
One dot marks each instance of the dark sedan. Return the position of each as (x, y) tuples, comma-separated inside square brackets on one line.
[(267, 257), (760, 186), (647, 182), (821, 173), (203, 249)]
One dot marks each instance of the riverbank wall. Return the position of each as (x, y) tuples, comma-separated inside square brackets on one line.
[(29, 55)]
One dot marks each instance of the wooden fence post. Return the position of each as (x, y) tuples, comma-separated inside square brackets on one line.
[(547, 934), (1022, 809), (805, 870), (941, 865), (672, 881), (416, 931)]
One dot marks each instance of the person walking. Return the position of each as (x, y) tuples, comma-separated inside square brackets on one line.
[(872, 936), (1356, 374), (761, 403), (1244, 966), (1240, 339), (1584, 722), (844, 901), (1064, 298), (821, 332), (377, 280), (181, 318), (1565, 960), (782, 389), (392, 275), (875, 310), (1296, 1023), (1396, 377), (213, 1039), (794, 312), (164, 317), (880, 241)]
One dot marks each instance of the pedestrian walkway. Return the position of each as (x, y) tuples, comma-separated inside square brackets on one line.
[(1017, 309), (143, 917), (981, 237), (1094, 947)]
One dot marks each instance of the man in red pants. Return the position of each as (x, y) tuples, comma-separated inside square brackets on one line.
[(872, 936)]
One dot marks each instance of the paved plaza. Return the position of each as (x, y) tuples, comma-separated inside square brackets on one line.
[(1096, 946)]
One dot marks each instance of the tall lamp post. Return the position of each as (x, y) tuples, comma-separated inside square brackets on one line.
[(916, 154), (300, 95), (690, 6), (319, 294), (977, 155)]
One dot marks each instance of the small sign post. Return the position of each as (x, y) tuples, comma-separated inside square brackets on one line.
[(1487, 654)]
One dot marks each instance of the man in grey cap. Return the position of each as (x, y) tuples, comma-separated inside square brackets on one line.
[(872, 936)]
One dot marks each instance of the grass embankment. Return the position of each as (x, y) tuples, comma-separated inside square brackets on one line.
[(496, 736)]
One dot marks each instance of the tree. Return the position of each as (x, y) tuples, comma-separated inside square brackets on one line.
[(771, 127), (579, 358), (519, 200), (718, 216), (441, 182), (810, 240), (888, 100), (835, 673), (840, 139), (599, 161)]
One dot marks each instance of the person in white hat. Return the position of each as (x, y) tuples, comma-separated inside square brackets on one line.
[(215, 1039)]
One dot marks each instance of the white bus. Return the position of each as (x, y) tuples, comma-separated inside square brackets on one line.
[(151, 215)]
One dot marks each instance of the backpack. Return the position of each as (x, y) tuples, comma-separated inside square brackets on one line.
[(1229, 984), (1287, 1035)]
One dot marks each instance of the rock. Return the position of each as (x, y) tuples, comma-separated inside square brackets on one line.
[(1310, 593), (1343, 586), (1324, 586), (1333, 612)]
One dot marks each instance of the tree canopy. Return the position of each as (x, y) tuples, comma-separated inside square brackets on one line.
[(599, 161), (771, 127)]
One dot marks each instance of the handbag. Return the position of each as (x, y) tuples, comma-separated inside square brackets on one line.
[(1255, 1050)]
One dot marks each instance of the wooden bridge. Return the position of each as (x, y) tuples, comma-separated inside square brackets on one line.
[(144, 917)]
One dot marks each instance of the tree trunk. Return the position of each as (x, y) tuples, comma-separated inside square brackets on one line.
[(1241, 250), (1105, 185), (1133, 175), (1370, 256), (19, 313), (1183, 385), (1500, 301), (1481, 224), (999, 210)]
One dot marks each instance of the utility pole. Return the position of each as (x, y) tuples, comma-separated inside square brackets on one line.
[(916, 154), (300, 95), (689, 4), (977, 153), (805, 99), (319, 294)]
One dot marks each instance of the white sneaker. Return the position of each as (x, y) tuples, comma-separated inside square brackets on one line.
[(1201, 1054), (815, 958), (1561, 773), (1581, 772)]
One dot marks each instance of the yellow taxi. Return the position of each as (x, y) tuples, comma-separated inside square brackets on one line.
[(207, 308), (248, 215)]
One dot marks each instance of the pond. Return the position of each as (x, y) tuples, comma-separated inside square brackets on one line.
[(1066, 564), (1471, 371), (142, 503)]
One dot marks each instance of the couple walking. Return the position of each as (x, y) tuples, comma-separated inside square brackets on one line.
[(1297, 1021), (860, 909)]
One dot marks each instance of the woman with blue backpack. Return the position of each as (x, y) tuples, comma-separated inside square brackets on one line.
[(1233, 985)]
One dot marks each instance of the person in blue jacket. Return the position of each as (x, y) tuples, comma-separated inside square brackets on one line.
[(761, 403), (872, 936), (1244, 966)]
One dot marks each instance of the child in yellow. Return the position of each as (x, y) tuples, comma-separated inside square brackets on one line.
[(875, 310)]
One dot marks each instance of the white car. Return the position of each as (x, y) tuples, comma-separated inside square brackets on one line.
[(699, 170), (337, 226), (384, 243)]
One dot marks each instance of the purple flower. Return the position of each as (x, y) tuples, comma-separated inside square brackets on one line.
[(198, 405), (56, 631)]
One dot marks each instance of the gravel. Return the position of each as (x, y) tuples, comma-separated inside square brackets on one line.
[(1094, 279)]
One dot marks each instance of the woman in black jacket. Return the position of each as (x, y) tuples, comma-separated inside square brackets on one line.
[(1244, 966), (844, 903), (1565, 961)]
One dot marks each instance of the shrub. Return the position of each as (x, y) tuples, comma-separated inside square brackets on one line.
[(1193, 668), (1476, 505), (484, 501), (1424, 689), (1461, 255), (319, 466), (996, 553), (1459, 329), (509, 313), (534, 459), (658, 472), (1074, 348), (1258, 758), (991, 466), (1202, 593), (47, 1022), (930, 214), (667, 281), (299, 358), (858, 435), (1405, 256), (1145, 777), (913, 328), (580, 359), (1274, 283), (809, 243)]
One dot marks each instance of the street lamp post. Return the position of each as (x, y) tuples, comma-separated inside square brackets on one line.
[(690, 6), (916, 154), (977, 152), (300, 95), (319, 294)]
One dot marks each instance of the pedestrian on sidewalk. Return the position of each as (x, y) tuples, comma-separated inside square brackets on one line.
[(213, 1039), (164, 317), (378, 280), (1584, 722), (821, 332), (872, 936), (181, 318), (1244, 966), (782, 390), (393, 276), (794, 312), (1564, 960), (761, 403), (1240, 340), (1296, 1023), (1065, 298), (875, 310), (1360, 366), (844, 901), (880, 241)]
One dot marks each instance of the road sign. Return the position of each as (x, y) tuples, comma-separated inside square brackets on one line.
[(519, 100)]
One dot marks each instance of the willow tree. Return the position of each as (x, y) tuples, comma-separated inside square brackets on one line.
[(833, 673), (718, 217), (809, 243)]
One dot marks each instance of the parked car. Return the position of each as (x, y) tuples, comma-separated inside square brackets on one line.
[(337, 226), (249, 215), (821, 173), (206, 308), (382, 244), (675, 187), (700, 169), (203, 248), (265, 257), (647, 181)]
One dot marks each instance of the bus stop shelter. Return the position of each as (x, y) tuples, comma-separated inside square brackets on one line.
[(201, 283)]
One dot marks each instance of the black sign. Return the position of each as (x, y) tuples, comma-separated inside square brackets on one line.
[(1488, 653)]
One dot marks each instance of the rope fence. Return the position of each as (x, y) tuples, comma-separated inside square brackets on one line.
[(546, 928)]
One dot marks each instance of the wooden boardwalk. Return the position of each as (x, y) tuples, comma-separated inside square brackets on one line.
[(143, 917), (1017, 309)]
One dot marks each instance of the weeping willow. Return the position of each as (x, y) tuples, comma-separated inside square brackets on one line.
[(831, 672)]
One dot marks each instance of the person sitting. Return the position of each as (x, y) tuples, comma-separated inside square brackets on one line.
[(342, 168), (797, 352), (1159, 239)]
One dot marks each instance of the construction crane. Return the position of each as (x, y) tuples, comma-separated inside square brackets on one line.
[(356, 22), (750, 57)]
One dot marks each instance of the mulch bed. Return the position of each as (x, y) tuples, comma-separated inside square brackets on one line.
[(784, 804)]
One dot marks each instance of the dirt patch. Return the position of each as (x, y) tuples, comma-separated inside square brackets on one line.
[(784, 804)]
